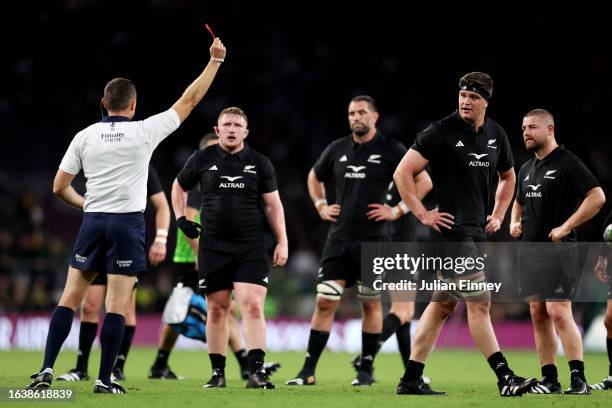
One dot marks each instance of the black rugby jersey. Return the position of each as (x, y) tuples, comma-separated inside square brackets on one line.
[(231, 186), (361, 173), (153, 184), (464, 165), (550, 190)]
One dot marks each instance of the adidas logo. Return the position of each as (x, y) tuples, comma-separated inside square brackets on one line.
[(526, 178), (459, 144), (343, 158), (265, 279), (213, 167)]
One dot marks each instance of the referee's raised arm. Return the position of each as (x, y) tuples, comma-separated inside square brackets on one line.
[(198, 88)]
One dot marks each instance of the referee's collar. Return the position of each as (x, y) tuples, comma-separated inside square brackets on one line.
[(106, 119), (241, 154)]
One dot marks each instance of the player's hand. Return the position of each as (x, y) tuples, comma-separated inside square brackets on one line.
[(157, 253), (557, 234), (330, 212), (516, 230), (190, 229), (600, 269), (281, 253), (217, 50), (380, 212), (434, 220), (493, 224)]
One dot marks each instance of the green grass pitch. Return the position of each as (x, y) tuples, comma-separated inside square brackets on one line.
[(465, 375)]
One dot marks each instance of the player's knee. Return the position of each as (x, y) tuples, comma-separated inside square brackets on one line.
[(90, 310), (253, 309), (217, 311), (329, 290), (444, 309), (539, 314), (325, 305), (478, 308), (560, 315), (371, 307), (367, 293)]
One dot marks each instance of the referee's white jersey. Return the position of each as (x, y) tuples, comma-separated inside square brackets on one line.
[(114, 155)]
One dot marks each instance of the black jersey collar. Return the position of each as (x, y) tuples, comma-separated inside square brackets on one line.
[(106, 119), (366, 145), (241, 154), (550, 156), (467, 126)]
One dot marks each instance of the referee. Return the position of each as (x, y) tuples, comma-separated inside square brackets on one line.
[(467, 152), (556, 193), (234, 179), (361, 166), (114, 156), (94, 296)]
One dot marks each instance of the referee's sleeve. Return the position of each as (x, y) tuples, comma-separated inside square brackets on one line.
[(71, 162), (160, 126), (189, 175)]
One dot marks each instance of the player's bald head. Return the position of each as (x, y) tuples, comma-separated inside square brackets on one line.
[(542, 114)]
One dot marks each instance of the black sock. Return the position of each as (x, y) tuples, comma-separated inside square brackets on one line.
[(110, 340), (161, 361), (403, 342), (87, 335), (217, 361), (390, 325), (498, 363), (609, 345), (241, 356), (256, 359), (577, 368), (369, 347), (59, 329), (414, 371), (126, 343), (549, 373), (316, 343)]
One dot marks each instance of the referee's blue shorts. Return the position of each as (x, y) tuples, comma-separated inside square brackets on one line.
[(111, 244)]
